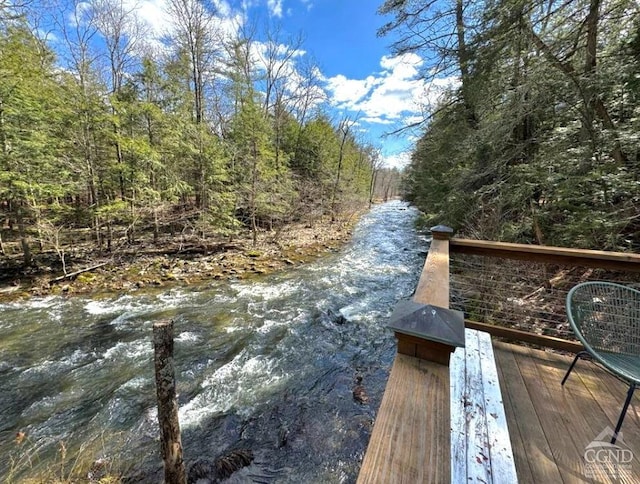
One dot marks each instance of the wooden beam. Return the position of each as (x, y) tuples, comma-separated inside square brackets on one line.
[(433, 287), (170, 440), (525, 337), (621, 261), (410, 441)]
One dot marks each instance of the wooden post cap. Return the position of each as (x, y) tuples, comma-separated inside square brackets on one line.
[(441, 232), (427, 332)]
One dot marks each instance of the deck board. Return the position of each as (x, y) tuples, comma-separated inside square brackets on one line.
[(401, 448), (478, 465), (480, 445), (501, 453), (532, 453), (523, 469), (550, 425), (567, 425)]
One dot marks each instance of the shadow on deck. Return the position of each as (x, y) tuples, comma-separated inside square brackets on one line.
[(551, 426)]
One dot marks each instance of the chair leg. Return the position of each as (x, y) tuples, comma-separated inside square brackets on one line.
[(632, 387), (581, 353)]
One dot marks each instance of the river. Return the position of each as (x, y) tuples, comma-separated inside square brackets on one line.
[(264, 365)]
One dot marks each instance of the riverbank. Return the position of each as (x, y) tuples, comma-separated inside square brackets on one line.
[(170, 263), (264, 364)]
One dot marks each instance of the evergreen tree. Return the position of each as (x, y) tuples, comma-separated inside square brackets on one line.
[(30, 110)]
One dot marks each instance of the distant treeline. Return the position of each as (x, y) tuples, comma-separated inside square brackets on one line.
[(203, 132), (540, 142)]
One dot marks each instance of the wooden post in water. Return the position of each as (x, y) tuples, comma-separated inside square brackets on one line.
[(171, 443)]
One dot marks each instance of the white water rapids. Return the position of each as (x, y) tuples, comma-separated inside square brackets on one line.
[(261, 365)]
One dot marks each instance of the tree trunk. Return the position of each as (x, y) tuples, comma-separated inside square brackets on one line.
[(253, 194), (372, 185), (109, 234), (463, 60), (24, 241), (588, 97), (156, 225), (344, 129)]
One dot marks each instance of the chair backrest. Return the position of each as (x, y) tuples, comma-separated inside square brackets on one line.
[(605, 317)]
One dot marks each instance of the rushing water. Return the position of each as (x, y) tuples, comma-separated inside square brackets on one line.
[(262, 365)]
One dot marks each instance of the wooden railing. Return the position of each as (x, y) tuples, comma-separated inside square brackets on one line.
[(522, 288), (621, 261), (410, 441)]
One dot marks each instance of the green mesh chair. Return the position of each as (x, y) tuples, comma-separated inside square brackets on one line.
[(606, 319)]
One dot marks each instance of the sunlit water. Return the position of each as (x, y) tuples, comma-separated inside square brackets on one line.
[(261, 365)]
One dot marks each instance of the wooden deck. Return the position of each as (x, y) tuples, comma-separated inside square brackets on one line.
[(551, 426), (557, 434)]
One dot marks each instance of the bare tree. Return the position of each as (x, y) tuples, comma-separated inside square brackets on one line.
[(79, 32), (344, 129), (276, 59), (122, 33), (375, 161), (195, 34), (12, 10)]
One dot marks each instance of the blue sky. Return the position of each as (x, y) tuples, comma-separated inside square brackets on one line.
[(359, 75), (341, 34), (363, 80)]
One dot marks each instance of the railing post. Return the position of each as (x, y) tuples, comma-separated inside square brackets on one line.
[(171, 443), (433, 289)]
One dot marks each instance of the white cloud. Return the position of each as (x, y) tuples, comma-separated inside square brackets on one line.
[(275, 8), (397, 160), (347, 92), (223, 9), (376, 120), (407, 63), (154, 14), (395, 95)]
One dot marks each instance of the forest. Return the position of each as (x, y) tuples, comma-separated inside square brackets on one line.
[(539, 142), (107, 137)]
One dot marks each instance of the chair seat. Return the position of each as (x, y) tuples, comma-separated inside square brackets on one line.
[(624, 365), (606, 315)]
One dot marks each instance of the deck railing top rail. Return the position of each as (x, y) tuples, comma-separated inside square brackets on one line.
[(541, 253)]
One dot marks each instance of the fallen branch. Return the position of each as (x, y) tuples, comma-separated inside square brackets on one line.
[(71, 275)]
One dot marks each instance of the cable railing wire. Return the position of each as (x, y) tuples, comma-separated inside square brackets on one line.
[(528, 296)]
